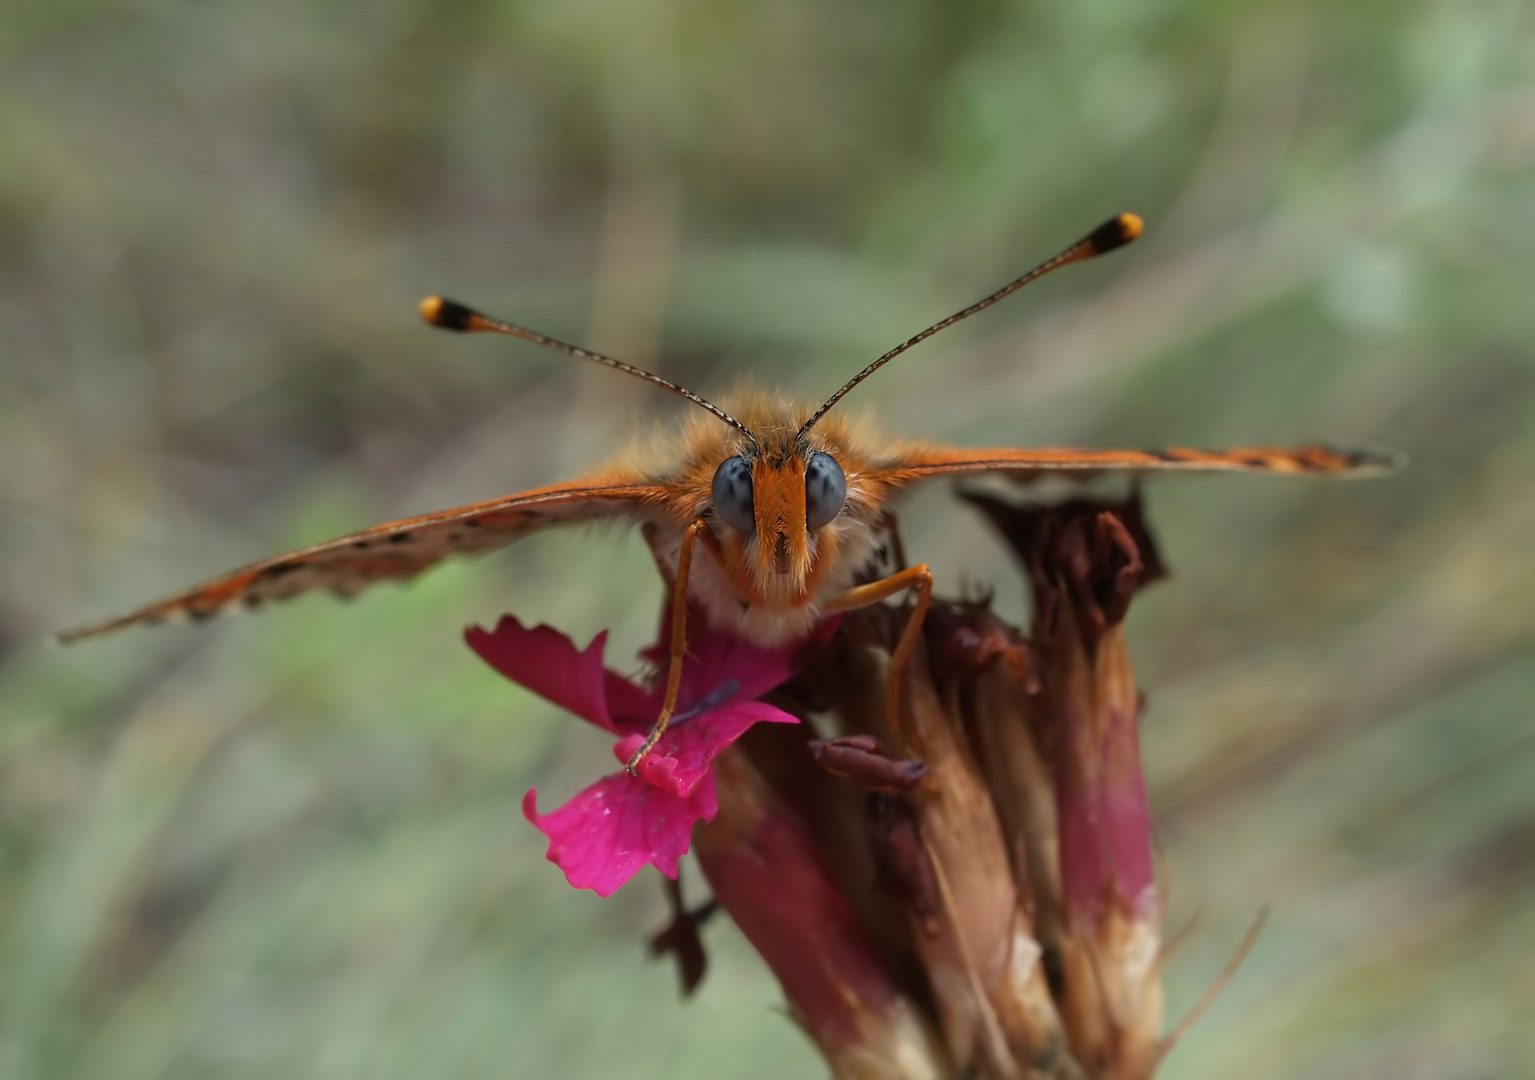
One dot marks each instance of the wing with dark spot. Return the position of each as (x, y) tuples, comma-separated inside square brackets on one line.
[(396, 551)]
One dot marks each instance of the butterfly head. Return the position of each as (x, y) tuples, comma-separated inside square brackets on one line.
[(778, 505)]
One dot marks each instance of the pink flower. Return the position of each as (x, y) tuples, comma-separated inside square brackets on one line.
[(609, 830)]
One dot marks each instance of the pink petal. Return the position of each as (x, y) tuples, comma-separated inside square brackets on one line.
[(681, 759), (547, 663), (608, 831)]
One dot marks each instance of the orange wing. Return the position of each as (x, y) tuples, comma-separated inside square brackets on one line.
[(921, 461), (396, 551)]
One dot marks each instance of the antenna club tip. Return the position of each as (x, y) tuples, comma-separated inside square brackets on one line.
[(1115, 233), (447, 314)]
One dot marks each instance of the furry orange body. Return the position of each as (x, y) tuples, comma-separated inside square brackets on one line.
[(764, 584)]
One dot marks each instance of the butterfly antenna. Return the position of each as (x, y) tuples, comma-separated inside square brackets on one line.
[(1113, 233), (451, 315)]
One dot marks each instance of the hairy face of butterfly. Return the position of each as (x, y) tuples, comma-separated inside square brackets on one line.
[(777, 508)]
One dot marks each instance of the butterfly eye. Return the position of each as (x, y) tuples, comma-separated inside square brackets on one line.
[(825, 490), (732, 492)]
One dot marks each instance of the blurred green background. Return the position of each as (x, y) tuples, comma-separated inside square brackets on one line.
[(291, 845)]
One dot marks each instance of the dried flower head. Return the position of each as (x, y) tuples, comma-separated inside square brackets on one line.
[(965, 889)]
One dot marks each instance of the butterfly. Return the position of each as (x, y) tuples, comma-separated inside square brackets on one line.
[(790, 503)]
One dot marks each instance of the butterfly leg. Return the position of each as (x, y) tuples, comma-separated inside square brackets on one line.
[(913, 577), (679, 645)]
